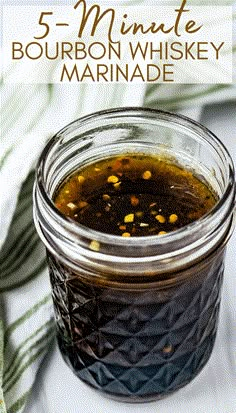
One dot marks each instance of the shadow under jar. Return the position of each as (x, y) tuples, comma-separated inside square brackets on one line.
[(136, 316)]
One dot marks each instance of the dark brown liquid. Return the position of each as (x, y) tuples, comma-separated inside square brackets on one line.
[(134, 196), (136, 344)]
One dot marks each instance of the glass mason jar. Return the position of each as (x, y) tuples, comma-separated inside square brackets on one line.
[(138, 318)]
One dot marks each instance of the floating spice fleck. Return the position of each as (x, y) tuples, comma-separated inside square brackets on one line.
[(134, 194), (153, 212), (173, 218), (112, 179), (94, 245), (139, 214), (81, 179), (71, 205), (162, 232), (126, 234), (129, 218), (134, 200), (147, 175), (82, 204), (117, 185), (160, 219)]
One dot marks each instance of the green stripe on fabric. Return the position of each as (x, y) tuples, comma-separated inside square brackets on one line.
[(31, 360), (22, 239), (20, 367), (10, 364), (5, 156), (19, 403), (26, 192), (23, 256), (181, 98), (150, 89), (14, 363), (28, 183), (25, 200), (23, 207), (12, 327), (2, 404), (50, 90), (10, 286)]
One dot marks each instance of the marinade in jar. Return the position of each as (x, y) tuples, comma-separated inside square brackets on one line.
[(136, 344)]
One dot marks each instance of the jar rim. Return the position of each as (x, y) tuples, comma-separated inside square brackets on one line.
[(182, 120)]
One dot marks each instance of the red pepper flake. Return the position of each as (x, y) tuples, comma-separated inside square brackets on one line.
[(117, 165), (134, 200)]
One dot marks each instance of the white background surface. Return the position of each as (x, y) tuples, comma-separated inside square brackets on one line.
[(57, 390)]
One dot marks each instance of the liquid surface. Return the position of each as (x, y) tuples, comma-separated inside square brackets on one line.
[(134, 195)]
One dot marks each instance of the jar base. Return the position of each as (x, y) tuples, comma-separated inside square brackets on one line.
[(138, 398)]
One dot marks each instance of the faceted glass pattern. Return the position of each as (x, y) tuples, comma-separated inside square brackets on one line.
[(137, 345)]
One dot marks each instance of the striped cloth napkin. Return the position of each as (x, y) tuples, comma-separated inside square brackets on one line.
[(31, 114)]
